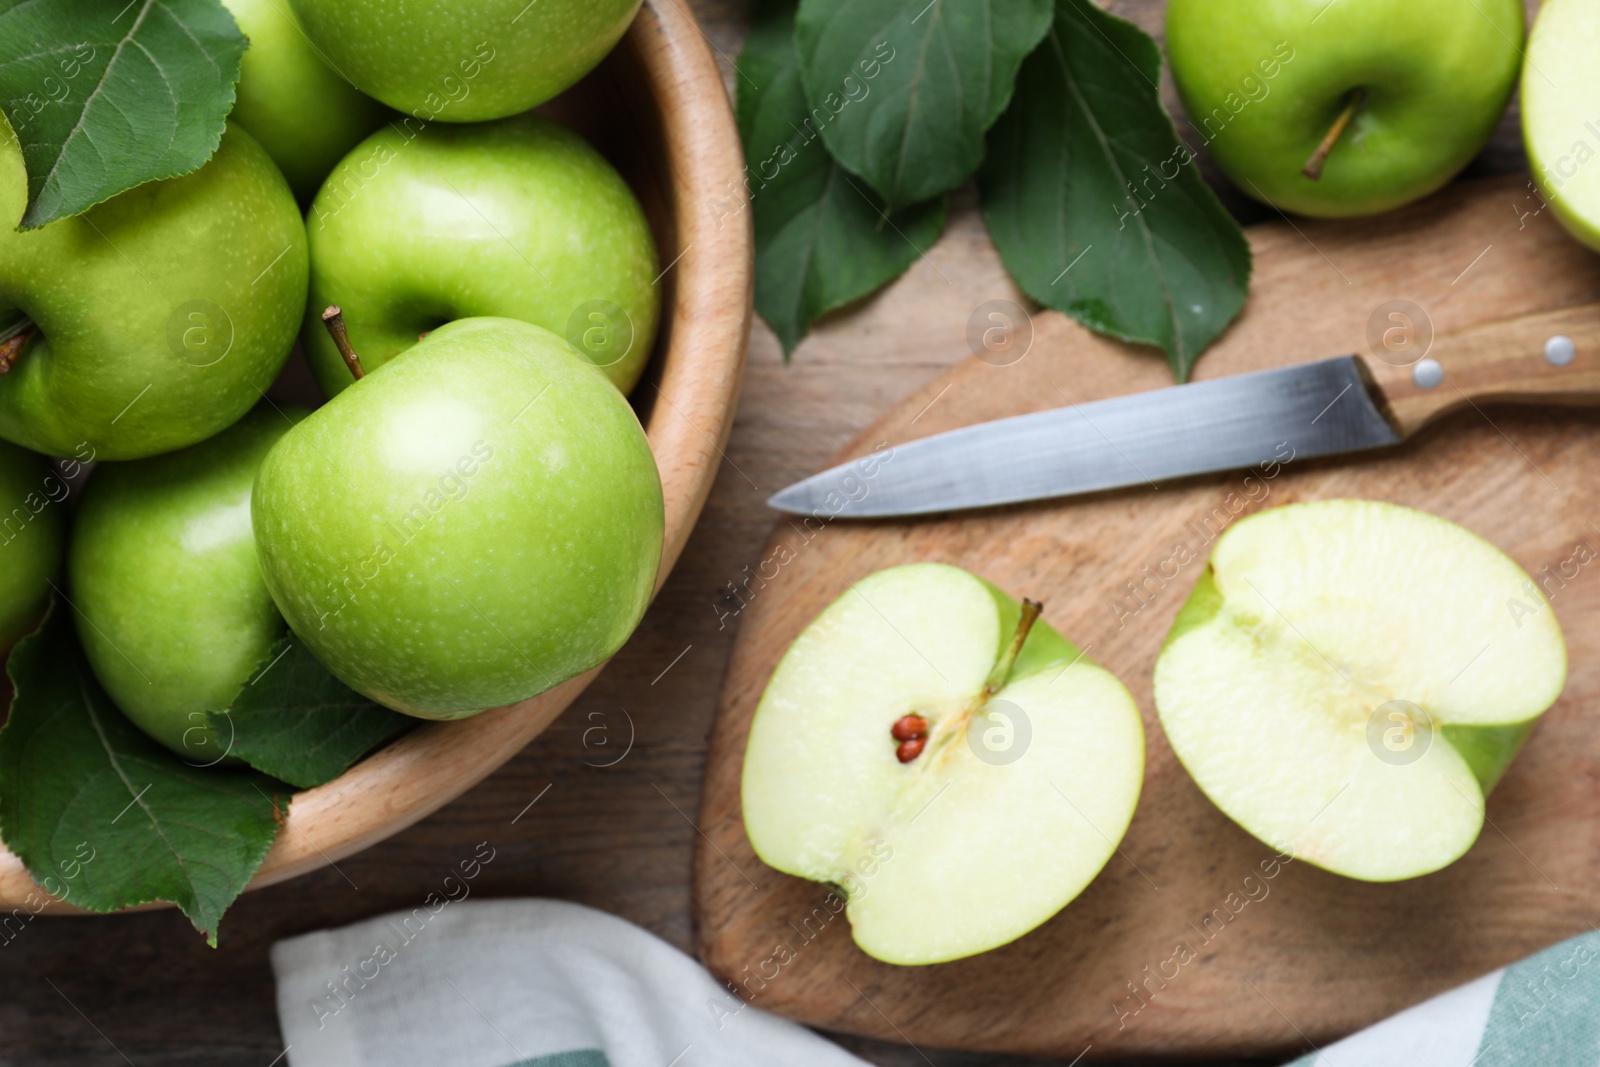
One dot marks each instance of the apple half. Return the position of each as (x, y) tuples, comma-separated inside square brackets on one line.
[(1560, 126), (1349, 679), (958, 770)]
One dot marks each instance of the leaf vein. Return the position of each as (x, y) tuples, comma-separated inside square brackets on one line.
[(1093, 125), (105, 76), (138, 795)]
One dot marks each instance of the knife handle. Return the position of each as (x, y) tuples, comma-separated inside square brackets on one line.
[(1549, 358)]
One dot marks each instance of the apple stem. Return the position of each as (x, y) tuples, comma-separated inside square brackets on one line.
[(333, 319), (1313, 167), (1002, 668), (12, 341)]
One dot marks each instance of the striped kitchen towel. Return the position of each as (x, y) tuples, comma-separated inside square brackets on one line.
[(1544, 1010)]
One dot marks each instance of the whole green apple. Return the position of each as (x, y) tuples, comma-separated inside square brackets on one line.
[(519, 218), (1384, 102), (474, 522), (170, 603), (468, 60), (303, 113), (31, 523), (156, 318), (1560, 126)]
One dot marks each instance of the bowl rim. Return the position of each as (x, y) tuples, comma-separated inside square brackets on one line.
[(707, 325)]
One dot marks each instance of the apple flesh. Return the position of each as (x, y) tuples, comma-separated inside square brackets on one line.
[(169, 600), (1560, 127), (1027, 777), (159, 316), (1350, 678), (32, 499), (475, 521), (520, 218), (1264, 83), (291, 101), (468, 60)]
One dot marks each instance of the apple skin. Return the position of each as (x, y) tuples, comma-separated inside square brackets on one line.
[(292, 102), (476, 521), (1437, 75), (171, 607), (520, 218), (468, 60), (31, 528), (162, 313), (1559, 127)]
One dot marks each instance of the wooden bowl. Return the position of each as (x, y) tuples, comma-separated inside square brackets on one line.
[(657, 109)]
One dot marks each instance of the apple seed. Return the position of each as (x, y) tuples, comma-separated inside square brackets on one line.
[(907, 751), (909, 728)]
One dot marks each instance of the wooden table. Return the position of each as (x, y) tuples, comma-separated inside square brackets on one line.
[(145, 989)]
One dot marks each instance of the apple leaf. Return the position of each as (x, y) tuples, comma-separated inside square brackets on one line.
[(103, 96), (298, 723), (1095, 205), (903, 90), (76, 776), (823, 237)]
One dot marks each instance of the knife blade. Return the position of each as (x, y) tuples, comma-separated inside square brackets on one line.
[(1347, 404)]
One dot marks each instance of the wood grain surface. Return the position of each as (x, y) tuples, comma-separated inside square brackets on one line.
[(567, 818), (1316, 955)]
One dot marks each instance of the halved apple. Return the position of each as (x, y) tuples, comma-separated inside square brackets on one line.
[(1560, 127), (1349, 679), (958, 770)]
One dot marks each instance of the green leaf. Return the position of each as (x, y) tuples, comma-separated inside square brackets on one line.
[(75, 775), (104, 96), (823, 238), (903, 90), (1097, 207), (298, 723)]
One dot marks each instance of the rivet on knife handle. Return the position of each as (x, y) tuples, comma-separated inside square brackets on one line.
[(1549, 358)]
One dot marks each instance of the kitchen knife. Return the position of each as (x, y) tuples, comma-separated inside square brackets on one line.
[(1343, 405)]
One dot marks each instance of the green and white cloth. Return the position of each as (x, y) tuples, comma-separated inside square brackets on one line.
[(1543, 1011), (543, 983), (518, 983)]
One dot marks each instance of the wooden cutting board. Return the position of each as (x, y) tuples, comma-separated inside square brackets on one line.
[(1282, 962)]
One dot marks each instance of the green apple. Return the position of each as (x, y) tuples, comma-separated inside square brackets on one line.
[(1349, 679), (477, 520), (519, 218), (156, 318), (301, 111), (1384, 102), (960, 771), (171, 606), (468, 60), (32, 499), (1560, 125)]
